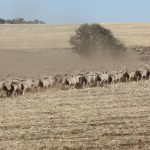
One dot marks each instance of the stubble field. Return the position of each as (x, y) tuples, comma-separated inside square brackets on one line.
[(112, 117), (46, 48)]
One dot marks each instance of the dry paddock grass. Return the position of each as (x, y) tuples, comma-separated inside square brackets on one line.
[(57, 36), (112, 118), (46, 48), (109, 118)]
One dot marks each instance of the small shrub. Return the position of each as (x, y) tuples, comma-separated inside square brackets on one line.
[(89, 39)]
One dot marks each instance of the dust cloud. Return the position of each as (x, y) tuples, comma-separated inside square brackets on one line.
[(34, 63)]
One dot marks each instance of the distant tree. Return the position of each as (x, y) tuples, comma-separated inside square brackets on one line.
[(89, 39), (2, 21), (20, 21), (42, 22), (9, 21), (38, 22)]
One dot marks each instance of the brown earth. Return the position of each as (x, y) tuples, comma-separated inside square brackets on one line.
[(109, 118), (34, 50)]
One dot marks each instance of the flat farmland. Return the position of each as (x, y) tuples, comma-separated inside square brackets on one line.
[(57, 36), (103, 118), (108, 118), (46, 48)]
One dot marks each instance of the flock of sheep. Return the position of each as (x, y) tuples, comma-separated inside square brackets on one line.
[(18, 87)]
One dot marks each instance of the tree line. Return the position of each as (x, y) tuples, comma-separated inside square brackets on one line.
[(20, 21)]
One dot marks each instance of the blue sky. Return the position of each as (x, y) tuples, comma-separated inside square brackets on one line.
[(77, 11)]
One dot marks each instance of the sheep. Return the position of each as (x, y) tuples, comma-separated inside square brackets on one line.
[(52, 81), (90, 80), (135, 75), (16, 88), (58, 80), (26, 85), (2, 84), (125, 76), (5, 88), (73, 81), (44, 83), (82, 81), (36, 83), (106, 79), (121, 76), (65, 83), (97, 80), (145, 73)]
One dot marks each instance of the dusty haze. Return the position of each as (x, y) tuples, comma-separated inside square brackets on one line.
[(26, 63), (35, 50), (109, 117)]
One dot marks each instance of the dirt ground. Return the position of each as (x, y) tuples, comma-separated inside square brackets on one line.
[(109, 118), (27, 63), (34, 50)]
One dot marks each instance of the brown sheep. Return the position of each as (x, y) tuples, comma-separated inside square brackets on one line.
[(121, 76), (82, 81), (44, 83), (97, 80), (5, 88), (58, 80), (16, 88), (135, 75)]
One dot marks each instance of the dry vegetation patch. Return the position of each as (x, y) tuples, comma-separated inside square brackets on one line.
[(113, 117), (57, 36)]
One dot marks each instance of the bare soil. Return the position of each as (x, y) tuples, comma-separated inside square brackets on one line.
[(109, 118)]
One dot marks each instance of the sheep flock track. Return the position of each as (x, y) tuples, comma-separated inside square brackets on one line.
[(17, 87)]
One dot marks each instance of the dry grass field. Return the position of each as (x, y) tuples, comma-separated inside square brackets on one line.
[(37, 37), (46, 48), (109, 118)]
